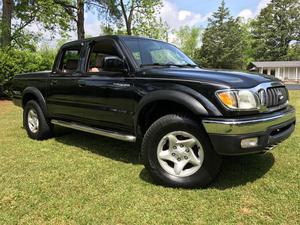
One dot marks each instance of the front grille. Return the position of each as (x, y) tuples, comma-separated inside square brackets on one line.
[(276, 96)]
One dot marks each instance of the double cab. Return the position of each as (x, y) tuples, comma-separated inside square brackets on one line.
[(147, 91)]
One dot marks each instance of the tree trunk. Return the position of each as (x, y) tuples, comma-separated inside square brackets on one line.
[(6, 23), (80, 19), (128, 28), (127, 20)]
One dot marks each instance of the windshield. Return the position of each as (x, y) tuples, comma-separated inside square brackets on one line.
[(148, 52)]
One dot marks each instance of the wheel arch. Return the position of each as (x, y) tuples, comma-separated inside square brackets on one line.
[(32, 93), (168, 99)]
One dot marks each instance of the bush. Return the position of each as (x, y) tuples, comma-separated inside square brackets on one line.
[(14, 62)]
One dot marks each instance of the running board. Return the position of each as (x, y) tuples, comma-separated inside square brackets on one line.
[(106, 133)]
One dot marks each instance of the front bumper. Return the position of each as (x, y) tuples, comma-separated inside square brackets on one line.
[(270, 129)]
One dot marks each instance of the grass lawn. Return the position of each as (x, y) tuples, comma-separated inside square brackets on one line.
[(78, 178)]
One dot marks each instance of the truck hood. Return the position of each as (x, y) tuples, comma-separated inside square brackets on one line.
[(229, 79)]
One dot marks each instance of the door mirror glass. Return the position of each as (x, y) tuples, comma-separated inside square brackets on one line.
[(114, 63)]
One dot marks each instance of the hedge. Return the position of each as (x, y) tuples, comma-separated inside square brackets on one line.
[(14, 62)]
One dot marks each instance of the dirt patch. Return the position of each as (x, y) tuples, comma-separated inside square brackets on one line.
[(5, 102), (5, 106)]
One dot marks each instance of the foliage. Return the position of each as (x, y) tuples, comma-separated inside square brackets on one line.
[(146, 21), (109, 30), (276, 26), (75, 10), (247, 40), (152, 27), (138, 17), (188, 38), (294, 51), (21, 61), (45, 14), (224, 41)]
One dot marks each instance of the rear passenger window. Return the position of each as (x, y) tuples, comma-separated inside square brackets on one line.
[(70, 60)]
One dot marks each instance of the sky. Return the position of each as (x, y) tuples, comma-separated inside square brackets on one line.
[(180, 13), (196, 12), (191, 12)]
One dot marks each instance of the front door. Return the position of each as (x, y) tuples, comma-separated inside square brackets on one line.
[(105, 93), (106, 100)]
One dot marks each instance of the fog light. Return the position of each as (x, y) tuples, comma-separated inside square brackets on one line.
[(249, 142)]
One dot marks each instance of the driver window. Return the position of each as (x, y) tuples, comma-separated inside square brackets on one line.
[(99, 51)]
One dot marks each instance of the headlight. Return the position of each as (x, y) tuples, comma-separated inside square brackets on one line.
[(239, 99)]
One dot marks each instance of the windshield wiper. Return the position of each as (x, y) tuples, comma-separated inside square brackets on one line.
[(155, 64), (189, 65)]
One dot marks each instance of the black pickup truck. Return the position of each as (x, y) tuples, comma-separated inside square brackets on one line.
[(147, 91)]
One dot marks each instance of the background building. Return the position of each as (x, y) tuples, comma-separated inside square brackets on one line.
[(284, 70)]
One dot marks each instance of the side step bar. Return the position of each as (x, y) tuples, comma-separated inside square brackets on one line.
[(106, 133)]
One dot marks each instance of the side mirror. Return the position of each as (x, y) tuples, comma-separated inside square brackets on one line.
[(114, 64)]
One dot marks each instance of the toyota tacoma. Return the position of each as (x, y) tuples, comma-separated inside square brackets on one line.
[(149, 92)]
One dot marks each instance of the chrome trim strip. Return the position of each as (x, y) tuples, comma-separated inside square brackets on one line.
[(240, 126), (106, 133)]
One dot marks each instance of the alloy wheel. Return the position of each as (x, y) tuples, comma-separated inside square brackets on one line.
[(180, 154), (33, 120)]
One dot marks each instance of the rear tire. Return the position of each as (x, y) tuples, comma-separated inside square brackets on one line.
[(177, 152), (35, 123)]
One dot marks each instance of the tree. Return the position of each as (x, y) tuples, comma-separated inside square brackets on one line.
[(136, 9), (139, 17), (25, 13), (294, 51), (188, 39), (75, 9), (7, 10), (223, 41), (276, 26), (247, 40)]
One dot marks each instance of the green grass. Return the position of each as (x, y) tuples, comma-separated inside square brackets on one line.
[(78, 178)]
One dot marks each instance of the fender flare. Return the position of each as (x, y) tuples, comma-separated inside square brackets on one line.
[(170, 95), (39, 97)]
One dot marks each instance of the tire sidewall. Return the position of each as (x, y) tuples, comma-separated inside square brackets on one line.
[(165, 125), (43, 129)]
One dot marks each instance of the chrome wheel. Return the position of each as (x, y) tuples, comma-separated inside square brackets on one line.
[(33, 120), (180, 154)]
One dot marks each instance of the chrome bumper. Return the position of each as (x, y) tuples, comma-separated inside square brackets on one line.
[(248, 125)]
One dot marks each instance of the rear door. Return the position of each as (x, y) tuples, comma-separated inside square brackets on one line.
[(62, 94)]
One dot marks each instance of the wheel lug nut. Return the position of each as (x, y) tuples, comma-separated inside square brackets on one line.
[(187, 150), (174, 147), (185, 157), (173, 154), (178, 159), (181, 145)]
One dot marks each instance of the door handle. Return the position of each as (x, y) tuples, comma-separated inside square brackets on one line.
[(53, 82), (81, 83)]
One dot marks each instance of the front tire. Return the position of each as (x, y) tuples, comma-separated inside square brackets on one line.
[(177, 152), (35, 122)]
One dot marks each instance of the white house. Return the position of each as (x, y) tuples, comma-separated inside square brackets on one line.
[(284, 70)]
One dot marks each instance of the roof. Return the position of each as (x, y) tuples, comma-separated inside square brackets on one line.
[(276, 64), (105, 36)]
